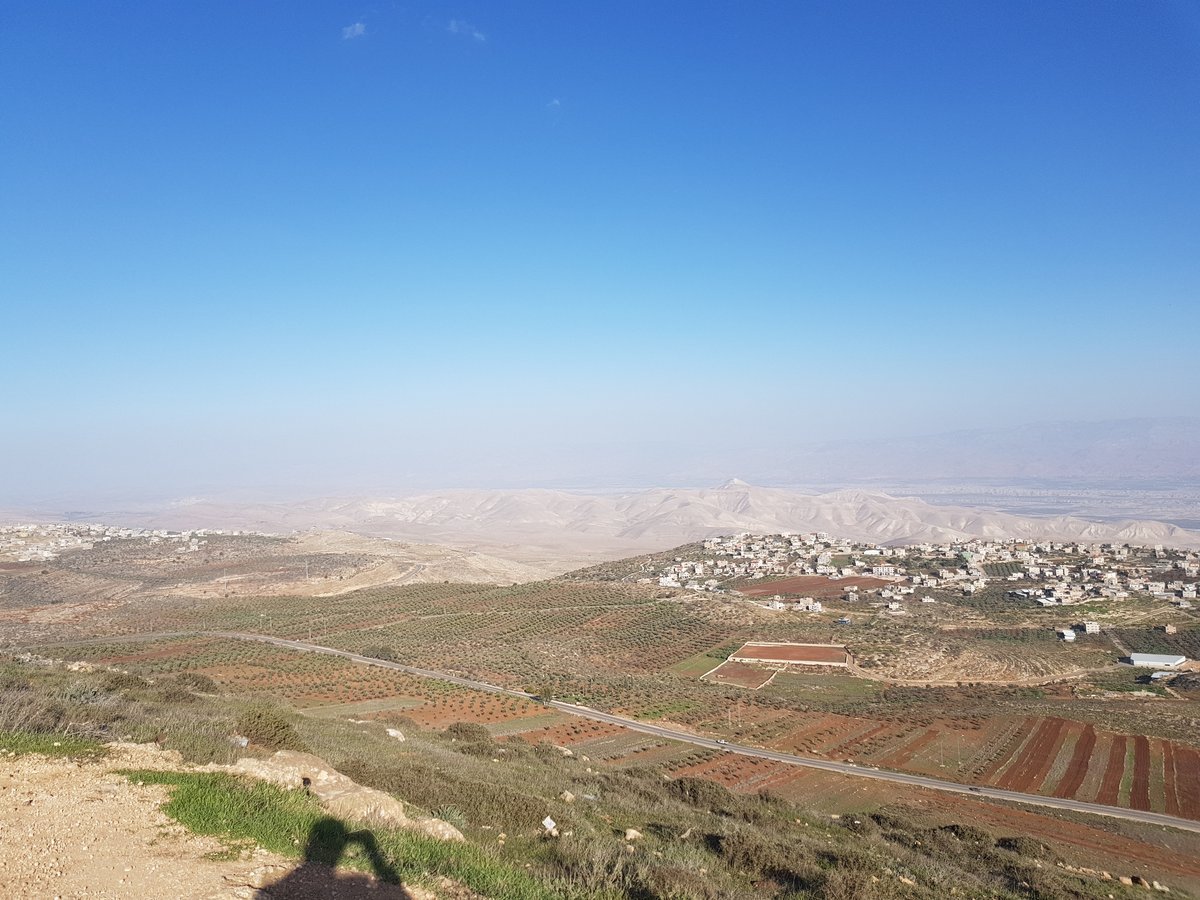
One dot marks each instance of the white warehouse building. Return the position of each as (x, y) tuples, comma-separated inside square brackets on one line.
[(1157, 660)]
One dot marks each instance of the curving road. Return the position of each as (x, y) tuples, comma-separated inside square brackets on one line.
[(841, 768)]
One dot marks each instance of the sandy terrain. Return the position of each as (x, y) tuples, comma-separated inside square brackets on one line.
[(70, 829)]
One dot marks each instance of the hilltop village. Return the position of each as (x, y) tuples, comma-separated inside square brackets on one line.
[(45, 542), (1048, 573)]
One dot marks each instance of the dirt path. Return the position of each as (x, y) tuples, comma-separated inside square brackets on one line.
[(70, 829)]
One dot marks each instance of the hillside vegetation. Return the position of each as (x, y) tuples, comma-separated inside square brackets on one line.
[(620, 833)]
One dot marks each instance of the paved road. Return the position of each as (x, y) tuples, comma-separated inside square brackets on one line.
[(841, 768)]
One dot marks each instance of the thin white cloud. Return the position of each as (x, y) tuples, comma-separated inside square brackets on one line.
[(357, 30), (458, 26), (555, 105)]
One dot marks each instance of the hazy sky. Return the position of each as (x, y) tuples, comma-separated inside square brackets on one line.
[(400, 242)]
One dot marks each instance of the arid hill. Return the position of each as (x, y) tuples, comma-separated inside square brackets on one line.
[(560, 530)]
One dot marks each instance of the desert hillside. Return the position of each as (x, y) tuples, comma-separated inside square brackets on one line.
[(558, 530)]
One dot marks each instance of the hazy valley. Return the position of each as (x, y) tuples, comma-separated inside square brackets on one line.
[(555, 531)]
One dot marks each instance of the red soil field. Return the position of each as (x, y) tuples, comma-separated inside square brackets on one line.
[(1008, 750), (1139, 794), (1110, 787), (1187, 781), (849, 745), (816, 586), (847, 731), (1036, 759), (1077, 769), (901, 757), (782, 777), (158, 652), (808, 734), (738, 773), (801, 653), (797, 738), (1053, 831), (570, 733), (740, 675)]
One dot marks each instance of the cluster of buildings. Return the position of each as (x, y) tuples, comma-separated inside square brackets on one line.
[(44, 542), (1048, 572), (723, 559), (1068, 634), (1103, 571)]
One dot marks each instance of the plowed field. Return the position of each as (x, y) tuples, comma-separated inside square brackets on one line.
[(791, 653)]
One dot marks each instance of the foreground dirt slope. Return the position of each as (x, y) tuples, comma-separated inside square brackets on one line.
[(70, 829)]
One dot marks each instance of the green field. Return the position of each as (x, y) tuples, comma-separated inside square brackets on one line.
[(821, 688)]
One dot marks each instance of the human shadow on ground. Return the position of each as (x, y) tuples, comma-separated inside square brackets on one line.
[(317, 876)]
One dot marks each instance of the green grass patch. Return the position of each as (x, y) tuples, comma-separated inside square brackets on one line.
[(1125, 679), (820, 687), (1127, 776), (361, 707), (292, 824), (19, 743), (695, 666)]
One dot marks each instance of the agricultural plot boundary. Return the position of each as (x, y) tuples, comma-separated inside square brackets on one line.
[(842, 768), (981, 792)]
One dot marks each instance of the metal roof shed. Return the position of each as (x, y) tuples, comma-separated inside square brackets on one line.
[(1157, 660)]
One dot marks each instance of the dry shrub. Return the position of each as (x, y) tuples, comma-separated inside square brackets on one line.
[(269, 727), (194, 681)]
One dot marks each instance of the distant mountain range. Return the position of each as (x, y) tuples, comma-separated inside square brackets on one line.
[(566, 528), (1121, 450)]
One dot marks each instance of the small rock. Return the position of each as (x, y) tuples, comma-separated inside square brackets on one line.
[(566, 797), (632, 834)]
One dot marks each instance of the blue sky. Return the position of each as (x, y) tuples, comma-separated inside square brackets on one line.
[(422, 243)]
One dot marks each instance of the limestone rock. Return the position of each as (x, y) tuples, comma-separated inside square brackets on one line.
[(340, 795)]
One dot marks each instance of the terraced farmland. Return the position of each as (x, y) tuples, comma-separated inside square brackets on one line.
[(628, 649)]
